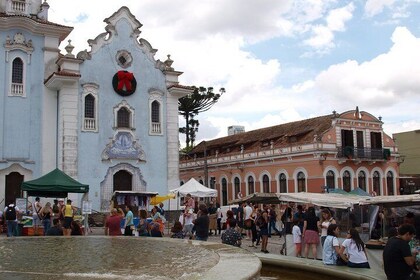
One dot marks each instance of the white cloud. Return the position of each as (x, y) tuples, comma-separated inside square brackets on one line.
[(322, 37), (210, 41), (374, 7)]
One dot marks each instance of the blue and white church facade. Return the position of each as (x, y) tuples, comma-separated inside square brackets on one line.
[(108, 117)]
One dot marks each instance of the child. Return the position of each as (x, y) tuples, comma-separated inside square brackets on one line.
[(177, 230), (297, 238)]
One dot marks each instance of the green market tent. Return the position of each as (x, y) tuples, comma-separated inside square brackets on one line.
[(54, 184), (359, 192)]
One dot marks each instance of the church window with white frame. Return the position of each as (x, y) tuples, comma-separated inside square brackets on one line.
[(90, 112), (124, 116), (156, 127), (155, 112), (17, 85)]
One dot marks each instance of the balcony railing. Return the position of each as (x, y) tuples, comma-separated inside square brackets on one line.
[(17, 6), (16, 89), (363, 153), (156, 128), (90, 124)]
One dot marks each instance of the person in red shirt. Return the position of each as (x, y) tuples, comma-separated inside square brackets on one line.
[(113, 223)]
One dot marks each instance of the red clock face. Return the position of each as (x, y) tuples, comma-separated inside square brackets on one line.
[(124, 83)]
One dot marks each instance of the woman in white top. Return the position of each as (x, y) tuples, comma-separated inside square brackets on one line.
[(326, 220), (356, 252)]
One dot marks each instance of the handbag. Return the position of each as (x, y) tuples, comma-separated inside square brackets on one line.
[(248, 224), (339, 261)]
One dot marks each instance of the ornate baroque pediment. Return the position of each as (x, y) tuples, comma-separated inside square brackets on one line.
[(123, 146)]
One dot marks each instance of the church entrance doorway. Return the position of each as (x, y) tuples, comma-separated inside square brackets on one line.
[(123, 181)]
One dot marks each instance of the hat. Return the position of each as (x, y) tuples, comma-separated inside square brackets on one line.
[(61, 199), (11, 205)]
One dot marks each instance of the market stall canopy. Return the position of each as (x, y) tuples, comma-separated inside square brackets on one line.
[(359, 191), (54, 184), (333, 200), (196, 189), (258, 198), (393, 201), (161, 198)]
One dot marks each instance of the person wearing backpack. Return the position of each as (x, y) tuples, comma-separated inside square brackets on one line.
[(10, 215)]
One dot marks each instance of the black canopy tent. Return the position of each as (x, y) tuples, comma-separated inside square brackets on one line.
[(54, 184)]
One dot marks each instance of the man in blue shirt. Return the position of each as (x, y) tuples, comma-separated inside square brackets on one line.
[(129, 224)]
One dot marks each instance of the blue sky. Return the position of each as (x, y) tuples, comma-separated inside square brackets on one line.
[(279, 61)]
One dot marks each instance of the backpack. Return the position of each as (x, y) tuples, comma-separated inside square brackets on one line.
[(10, 213), (286, 215), (260, 221)]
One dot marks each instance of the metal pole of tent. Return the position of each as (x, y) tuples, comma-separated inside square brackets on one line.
[(85, 197)]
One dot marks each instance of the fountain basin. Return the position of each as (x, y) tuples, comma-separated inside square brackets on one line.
[(103, 257)]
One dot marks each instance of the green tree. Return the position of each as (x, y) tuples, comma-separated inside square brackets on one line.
[(200, 100)]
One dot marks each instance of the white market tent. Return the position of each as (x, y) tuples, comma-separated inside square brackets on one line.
[(333, 200), (393, 201), (194, 188)]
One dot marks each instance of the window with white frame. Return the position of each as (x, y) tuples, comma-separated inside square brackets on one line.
[(361, 180), (90, 114), (251, 188), (237, 184), (301, 182), (330, 179), (124, 116), (376, 179), (156, 127), (390, 182), (266, 184), (283, 183), (17, 85), (224, 192), (347, 181), (155, 112)]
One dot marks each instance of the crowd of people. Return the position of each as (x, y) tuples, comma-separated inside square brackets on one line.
[(311, 228), (56, 219)]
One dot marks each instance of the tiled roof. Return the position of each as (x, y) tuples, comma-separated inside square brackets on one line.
[(180, 86), (63, 74), (293, 133)]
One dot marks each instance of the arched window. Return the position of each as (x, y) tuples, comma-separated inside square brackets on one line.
[(376, 182), (224, 192), (251, 187), (201, 181), (237, 184), (17, 71), (123, 118), (17, 78), (155, 117), (283, 183), (301, 180), (346, 181), (390, 182), (89, 114), (330, 179), (89, 106), (266, 184), (361, 180)]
